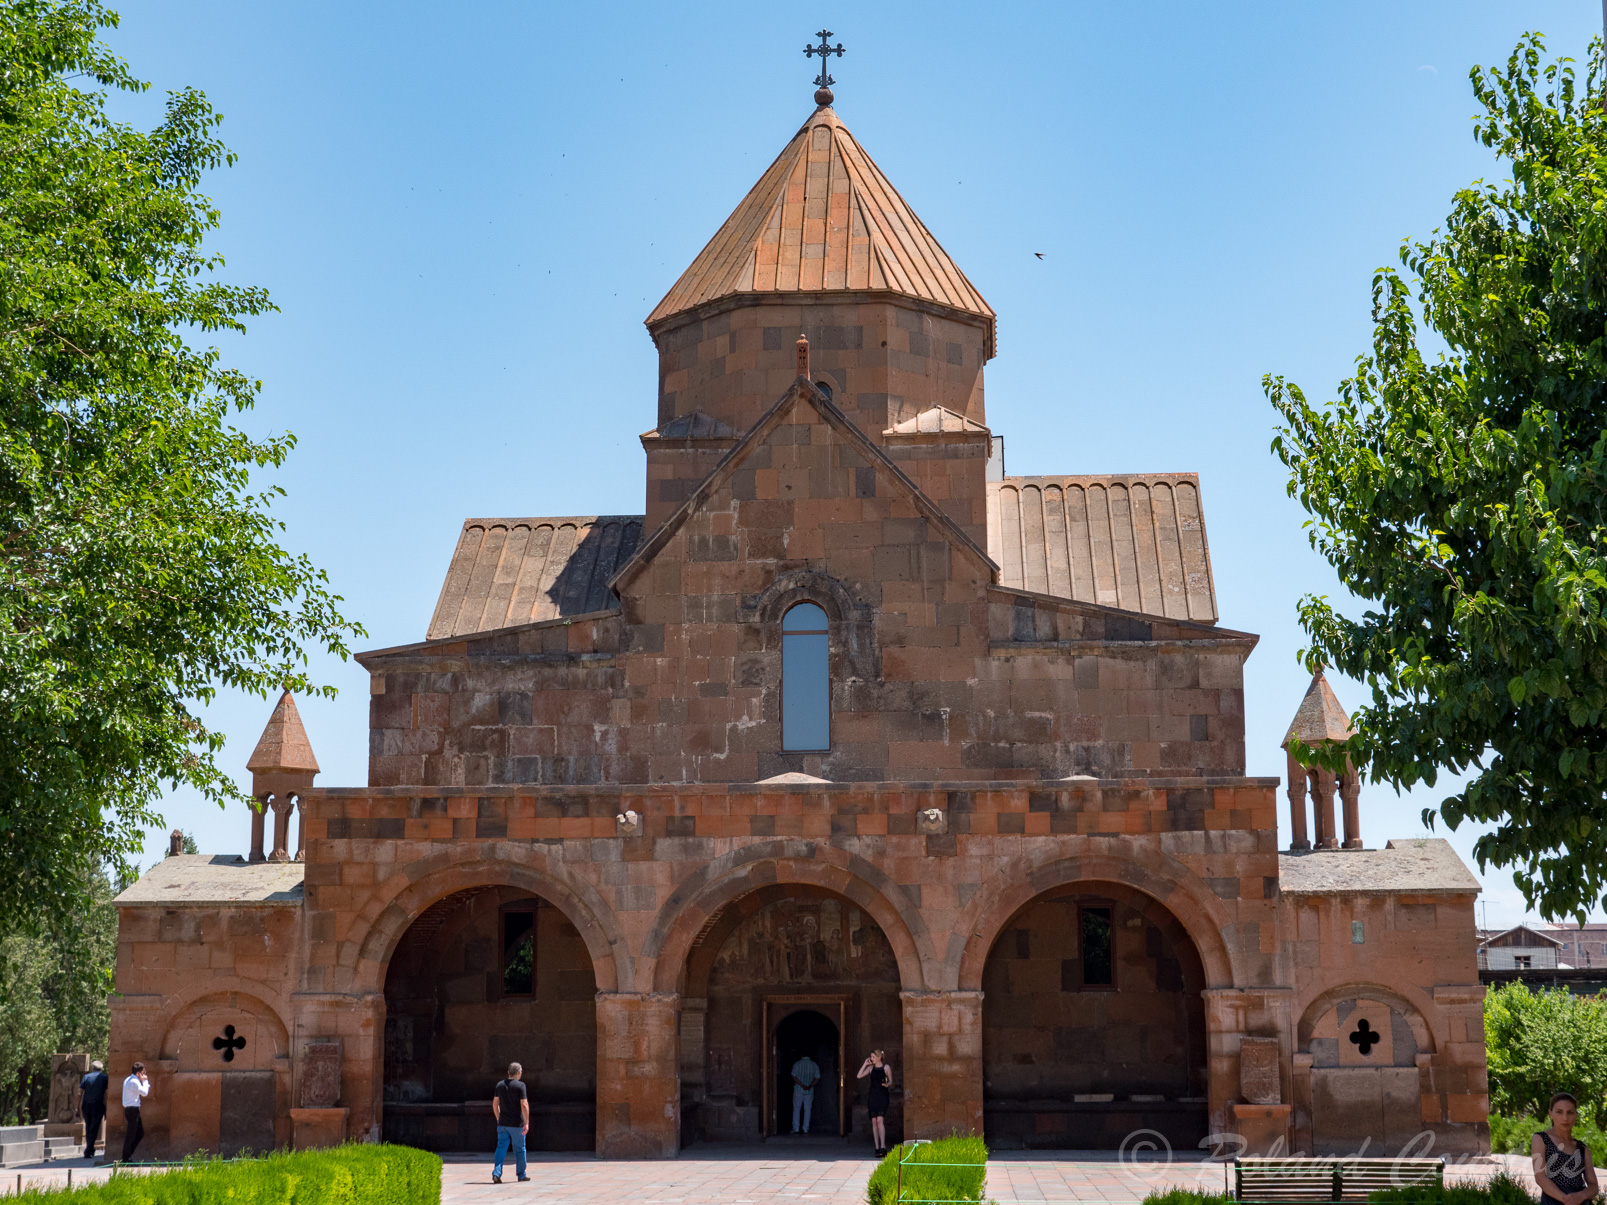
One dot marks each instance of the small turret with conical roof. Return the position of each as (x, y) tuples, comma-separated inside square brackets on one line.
[(282, 767), (1320, 720)]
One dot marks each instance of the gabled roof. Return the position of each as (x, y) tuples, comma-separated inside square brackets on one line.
[(1521, 936), (513, 571), (823, 218), (283, 745), (1133, 542), (1319, 719), (801, 393), (937, 420)]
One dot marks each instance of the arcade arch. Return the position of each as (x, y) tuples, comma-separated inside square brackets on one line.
[(485, 976), (1093, 1022), (785, 971)]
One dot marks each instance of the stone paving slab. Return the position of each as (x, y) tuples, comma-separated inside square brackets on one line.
[(828, 1176)]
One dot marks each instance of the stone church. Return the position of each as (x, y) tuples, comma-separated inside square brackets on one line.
[(850, 741)]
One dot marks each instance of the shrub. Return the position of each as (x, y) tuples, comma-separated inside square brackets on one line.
[(1545, 1042), (1501, 1190), (348, 1175), (962, 1178), (1512, 1135)]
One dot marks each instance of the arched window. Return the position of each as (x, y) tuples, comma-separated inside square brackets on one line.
[(805, 679)]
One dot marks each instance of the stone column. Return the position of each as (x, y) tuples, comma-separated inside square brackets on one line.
[(1350, 793), (638, 1077), (260, 805), (281, 804), (942, 1070), (301, 829), (1322, 791), (1298, 838), (694, 1048)]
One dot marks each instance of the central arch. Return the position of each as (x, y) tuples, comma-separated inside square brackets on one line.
[(785, 973)]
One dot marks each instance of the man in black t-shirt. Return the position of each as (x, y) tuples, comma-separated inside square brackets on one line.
[(93, 1105), (510, 1105)]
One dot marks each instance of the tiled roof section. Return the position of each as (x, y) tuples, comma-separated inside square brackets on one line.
[(937, 420), (823, 218), (1319, 718), (1132, 542), (696, 425), (512, 571)]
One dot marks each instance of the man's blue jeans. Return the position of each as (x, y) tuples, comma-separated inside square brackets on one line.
[(513, 1136)]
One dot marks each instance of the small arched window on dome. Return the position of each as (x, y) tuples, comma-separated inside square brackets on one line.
[(805, 679)]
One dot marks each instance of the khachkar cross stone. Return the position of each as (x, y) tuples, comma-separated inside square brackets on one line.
[(823, 81), (228, 1043)]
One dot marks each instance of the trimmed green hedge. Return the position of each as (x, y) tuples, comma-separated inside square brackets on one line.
[(354, 1174), (963, 1180)]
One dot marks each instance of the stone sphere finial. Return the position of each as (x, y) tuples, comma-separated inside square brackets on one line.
[(823, 97)]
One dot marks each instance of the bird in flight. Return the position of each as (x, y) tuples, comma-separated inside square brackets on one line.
[(1039, 254)]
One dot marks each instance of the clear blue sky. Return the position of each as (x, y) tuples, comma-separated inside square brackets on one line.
[(465, 212)]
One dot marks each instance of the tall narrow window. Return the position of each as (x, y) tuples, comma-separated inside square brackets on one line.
[(518, 952), (1098, 958), (805, 679)]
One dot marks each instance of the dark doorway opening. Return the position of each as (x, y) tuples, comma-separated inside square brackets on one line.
[(806, 1034)]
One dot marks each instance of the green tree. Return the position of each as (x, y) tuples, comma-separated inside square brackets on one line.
[(55, 976), (1539, 1043), (139, 565), (1463, 496)]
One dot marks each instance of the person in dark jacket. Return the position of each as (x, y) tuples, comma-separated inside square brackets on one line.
[(93, 1104)]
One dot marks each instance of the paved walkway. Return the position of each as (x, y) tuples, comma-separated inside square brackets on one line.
[(826, 1175)]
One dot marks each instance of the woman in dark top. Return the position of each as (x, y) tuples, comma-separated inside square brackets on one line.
[(1562, 1164), (879, 1097)]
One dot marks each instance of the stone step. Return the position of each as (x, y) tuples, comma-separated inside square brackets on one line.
[(9, 1134), (13, 1154), (62, 1148)]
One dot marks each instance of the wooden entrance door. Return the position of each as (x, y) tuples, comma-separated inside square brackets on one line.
[(777, 1009)]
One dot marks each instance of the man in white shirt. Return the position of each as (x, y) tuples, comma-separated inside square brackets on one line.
[(805, 1075), (135, 1089)]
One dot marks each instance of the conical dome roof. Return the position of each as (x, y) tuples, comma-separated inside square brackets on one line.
[(283, 746), (1319, 719), (823, 218)]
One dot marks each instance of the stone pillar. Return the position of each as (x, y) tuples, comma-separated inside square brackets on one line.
[(1350, 793), (942, 1069), (1322, 792), (694, 1048), (282, 805), (259, 806), (638, 1075), (1298, 838), (301, 829)]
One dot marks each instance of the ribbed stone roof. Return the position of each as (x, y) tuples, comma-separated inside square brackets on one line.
[(506, 572), (823, 218), (1135, 542)]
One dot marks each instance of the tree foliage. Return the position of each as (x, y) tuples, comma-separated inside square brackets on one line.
[(1543, 1042), (1463, 495), (140, 569), (55, 976)]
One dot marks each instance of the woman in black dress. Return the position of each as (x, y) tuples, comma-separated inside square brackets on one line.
[(878, 1098), (1562, 1164)]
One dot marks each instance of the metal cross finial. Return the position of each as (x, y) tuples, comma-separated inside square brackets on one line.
[(825, 50)]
